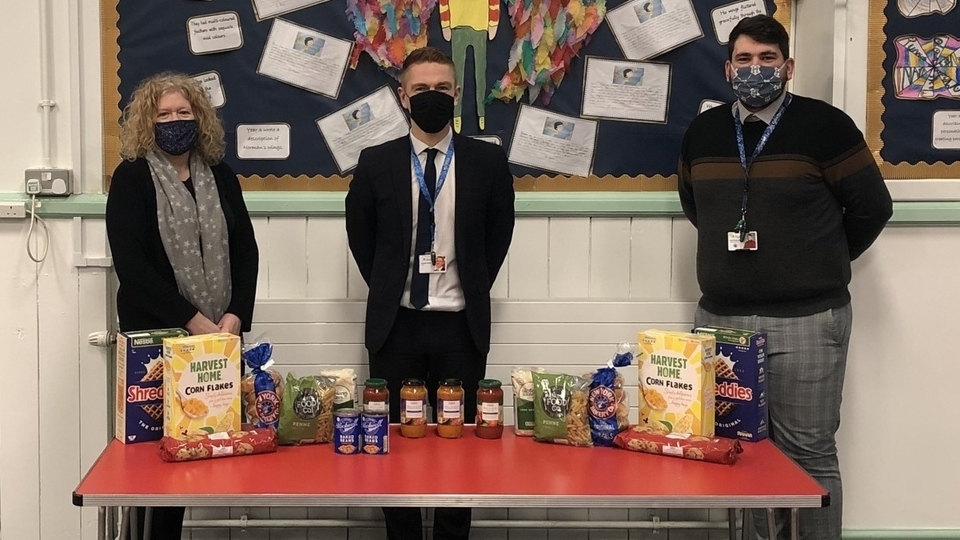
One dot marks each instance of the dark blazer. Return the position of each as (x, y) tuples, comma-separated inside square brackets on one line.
[(148, 297), (379, 219)]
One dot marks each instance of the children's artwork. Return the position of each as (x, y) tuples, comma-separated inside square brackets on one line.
[(648, 10), (470, 23), (927, 68), (388, 30), (917, 8), (548, 35)]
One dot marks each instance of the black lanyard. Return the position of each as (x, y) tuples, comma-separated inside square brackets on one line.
[(742, 224)]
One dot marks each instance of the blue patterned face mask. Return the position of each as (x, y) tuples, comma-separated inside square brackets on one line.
[(177, 137), (756, 85)]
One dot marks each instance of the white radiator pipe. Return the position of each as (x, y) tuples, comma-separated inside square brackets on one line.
[(46, 103)]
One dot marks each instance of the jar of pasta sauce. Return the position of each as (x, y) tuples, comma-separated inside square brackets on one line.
[(413, 401), (450, 409), (376, 397), (489, 409)]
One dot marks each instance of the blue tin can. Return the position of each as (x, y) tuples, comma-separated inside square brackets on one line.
[(347, 438), (376, 433)]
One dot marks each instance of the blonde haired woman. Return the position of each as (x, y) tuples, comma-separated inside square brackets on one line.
[(182, 242)]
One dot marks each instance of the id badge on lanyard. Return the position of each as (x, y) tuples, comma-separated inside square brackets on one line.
[(432, 262), (741, 238)]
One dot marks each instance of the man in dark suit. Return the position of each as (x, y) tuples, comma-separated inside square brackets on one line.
[(429, 220)]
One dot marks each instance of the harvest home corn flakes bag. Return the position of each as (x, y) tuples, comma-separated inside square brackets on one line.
[(201, 385), (677, 379)]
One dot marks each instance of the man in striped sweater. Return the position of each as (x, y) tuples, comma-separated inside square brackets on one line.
[(784, 193)]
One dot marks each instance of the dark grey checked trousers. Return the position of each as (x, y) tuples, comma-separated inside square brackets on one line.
[(806, 361)]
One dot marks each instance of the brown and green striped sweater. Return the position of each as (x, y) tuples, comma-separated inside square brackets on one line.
[(816, 199)]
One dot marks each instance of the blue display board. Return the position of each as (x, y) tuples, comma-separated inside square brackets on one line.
[(153, 37)]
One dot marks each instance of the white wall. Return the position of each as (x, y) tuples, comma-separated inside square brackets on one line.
[(53, 405)]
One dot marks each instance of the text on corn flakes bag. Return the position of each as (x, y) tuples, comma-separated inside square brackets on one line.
[(201, 381), (677, 381)]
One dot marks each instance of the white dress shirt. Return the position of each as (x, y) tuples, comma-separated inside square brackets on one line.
[(764, 115), (444, 292)]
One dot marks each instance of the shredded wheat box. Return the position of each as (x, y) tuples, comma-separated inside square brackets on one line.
[(201, 382), (741, 409), (677, 381), (139, 407)]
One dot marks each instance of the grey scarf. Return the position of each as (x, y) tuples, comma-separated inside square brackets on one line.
[(194, 234)]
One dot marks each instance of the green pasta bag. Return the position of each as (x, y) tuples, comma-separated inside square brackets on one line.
[(307, 410), (560, 409)]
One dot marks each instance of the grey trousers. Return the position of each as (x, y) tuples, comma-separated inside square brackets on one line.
[(806, 361)]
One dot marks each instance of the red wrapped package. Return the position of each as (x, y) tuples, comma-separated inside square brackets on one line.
[(648, 439), (236, 443)]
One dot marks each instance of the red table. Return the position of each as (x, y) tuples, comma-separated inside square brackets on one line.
[(470, 472)]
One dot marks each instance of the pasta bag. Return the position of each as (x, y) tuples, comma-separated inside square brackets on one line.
[(523, 397), (307, 415), (560, 409)]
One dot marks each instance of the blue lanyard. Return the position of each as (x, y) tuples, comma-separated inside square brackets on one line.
[(742, 224), (432, 200)]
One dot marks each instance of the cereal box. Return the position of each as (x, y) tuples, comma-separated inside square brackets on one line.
[(741, 409), (201, 382), (676, 381), (139, 407)]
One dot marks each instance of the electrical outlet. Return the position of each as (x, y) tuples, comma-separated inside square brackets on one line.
[(52, 182), (16, 210)]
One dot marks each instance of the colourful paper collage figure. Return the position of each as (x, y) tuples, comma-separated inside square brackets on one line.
[(548, 35), (927, 68), (470, 23), (388, 30), (918, 8)]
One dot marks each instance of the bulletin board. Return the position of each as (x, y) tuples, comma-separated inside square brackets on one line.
[(913, 88), (635, 151)]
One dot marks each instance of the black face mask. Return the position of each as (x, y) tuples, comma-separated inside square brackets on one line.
[(177, 137), (431, 110)]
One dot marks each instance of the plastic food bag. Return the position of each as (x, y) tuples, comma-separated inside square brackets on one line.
[(262, 388), (523, 397), (346, 388), (609, 410), (560, 409), (307, 412)]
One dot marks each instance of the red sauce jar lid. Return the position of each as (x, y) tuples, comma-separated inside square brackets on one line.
[(375, 383), (489, 383)]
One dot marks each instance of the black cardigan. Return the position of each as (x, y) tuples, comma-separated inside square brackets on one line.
[(148, 297)]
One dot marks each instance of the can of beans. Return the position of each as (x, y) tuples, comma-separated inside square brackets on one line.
[(346, 431), (376, 433)]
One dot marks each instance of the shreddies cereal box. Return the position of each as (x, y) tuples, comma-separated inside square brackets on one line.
[(139, 408), (677, 382), (201, 382), (741, 409)]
